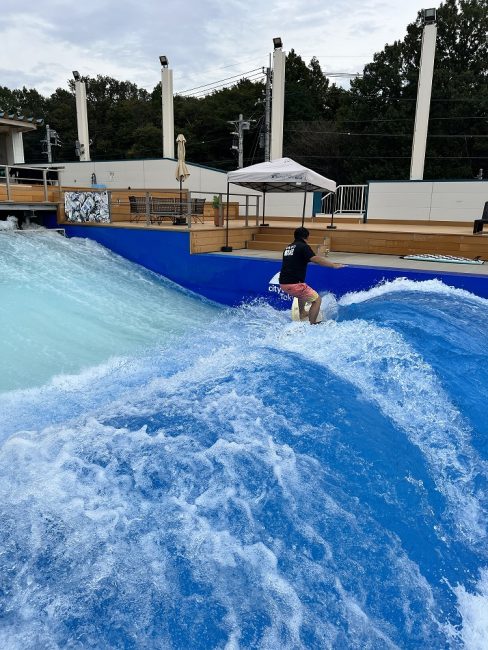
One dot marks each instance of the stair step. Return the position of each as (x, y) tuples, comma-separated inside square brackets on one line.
[(285, 238), (265, 245)]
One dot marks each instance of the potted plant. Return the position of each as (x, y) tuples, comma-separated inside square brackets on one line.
[(217, 205)]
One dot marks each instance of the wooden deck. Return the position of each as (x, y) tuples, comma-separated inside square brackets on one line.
[(387, 239), (349, 236), (370, 238)]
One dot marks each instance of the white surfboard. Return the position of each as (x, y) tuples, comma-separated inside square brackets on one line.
[(295, 311)]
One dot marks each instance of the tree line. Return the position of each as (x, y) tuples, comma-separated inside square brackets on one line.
[(351, 135)]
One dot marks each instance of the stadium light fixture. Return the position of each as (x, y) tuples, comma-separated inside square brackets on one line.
[(429, 16), (277, 43), (164, 61)]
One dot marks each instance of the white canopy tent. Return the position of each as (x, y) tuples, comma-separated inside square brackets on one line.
[(280, 175)]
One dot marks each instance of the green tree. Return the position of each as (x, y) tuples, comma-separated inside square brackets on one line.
[(380, 109)]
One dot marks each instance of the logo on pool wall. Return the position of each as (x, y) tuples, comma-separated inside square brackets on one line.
[(274, 287)]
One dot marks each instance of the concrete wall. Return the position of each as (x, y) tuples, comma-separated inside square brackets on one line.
[(160, 174), (461, 201)]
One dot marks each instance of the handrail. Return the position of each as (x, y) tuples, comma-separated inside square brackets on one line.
[(348, 199), (11, 175), (247, 196)]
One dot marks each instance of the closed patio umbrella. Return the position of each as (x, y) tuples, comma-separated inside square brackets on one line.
[(182, 172)]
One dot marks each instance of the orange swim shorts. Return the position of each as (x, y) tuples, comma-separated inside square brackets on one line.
[(301, 291)]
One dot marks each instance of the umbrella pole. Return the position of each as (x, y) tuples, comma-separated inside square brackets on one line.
[(303, 210), (227, 248)]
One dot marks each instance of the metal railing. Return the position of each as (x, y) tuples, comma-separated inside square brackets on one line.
[(13, 175), (348, 199), (249, 202), (156, 207)]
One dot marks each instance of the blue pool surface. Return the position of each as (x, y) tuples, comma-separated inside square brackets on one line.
[(239, 480)]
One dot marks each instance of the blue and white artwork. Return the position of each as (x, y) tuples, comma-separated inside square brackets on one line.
[(81, 207)]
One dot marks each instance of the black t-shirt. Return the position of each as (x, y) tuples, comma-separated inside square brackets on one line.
[(296, 256)]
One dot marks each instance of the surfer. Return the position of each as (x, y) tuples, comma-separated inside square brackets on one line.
[(296, 257)]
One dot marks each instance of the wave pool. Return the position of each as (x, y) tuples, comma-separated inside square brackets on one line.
[(178, 475)]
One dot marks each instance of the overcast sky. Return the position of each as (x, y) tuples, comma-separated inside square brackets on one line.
[(205, 41)]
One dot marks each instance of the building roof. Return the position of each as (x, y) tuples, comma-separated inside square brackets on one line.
[(14, 121)]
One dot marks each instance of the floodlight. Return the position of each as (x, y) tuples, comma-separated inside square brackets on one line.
[(429, 16), (277, 43), (164, 60), (76, 75)]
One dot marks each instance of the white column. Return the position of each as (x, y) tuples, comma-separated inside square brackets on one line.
[(422, 110), (277, 104), (15, 148), (82, 120), (168, 114)]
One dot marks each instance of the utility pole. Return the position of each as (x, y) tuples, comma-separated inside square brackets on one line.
[(48, 144), (240, 126), (52, 140)]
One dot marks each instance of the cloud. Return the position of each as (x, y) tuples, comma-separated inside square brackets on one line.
[(204, 41)]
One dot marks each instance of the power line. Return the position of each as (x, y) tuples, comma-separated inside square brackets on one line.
[(414, 99), (203, 93), (410, 119), (390, 157), (385, 135), (241, 74)]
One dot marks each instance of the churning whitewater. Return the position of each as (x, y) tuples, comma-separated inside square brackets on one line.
[(178, 475)]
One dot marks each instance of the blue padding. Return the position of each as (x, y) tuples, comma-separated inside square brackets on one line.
[(230, 280)]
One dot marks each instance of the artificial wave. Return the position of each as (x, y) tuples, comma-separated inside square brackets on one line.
[(236, 480)]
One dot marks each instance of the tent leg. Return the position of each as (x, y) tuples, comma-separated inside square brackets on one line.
[(331, 226), (303, 210), (264, 208), (227, 248)]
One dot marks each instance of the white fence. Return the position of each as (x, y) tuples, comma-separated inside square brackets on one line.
[(348, 200)]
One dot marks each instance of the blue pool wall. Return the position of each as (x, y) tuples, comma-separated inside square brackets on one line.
[(231, 280)]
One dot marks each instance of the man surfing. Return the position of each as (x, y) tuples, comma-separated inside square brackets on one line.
[(296, 257)]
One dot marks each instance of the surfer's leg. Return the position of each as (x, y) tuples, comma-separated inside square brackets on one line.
[(301, 307), (314, 310)]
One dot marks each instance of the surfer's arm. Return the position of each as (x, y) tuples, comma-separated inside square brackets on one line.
[(321, 261)]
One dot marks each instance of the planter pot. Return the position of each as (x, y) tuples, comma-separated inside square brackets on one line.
[(218, 218)]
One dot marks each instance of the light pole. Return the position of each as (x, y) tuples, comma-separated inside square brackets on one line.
[(83, 143), (277, 100), (168, 127), (424, 90)]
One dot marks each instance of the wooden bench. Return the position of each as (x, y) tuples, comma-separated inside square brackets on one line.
[(166, 209)]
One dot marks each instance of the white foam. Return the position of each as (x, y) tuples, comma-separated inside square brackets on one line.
[(403, 284), (389, 372), (473, 608)]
